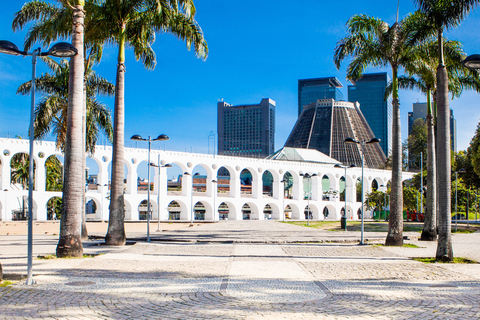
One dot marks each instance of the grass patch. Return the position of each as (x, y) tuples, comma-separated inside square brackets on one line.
[(464, 230), (5, 283), (405, 245), (455, 260), (52, 256)]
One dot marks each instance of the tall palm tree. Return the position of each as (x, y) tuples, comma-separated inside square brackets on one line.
[(134, 23), (444, 14), (51, 111), (422, 76), (57, 21), (372, 42)]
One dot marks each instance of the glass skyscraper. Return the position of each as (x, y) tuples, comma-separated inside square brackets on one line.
[(369, 91), (246, 130), (311, 90)]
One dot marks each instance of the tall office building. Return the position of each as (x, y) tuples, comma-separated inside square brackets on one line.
[(419, 111), (325, 124), (246, 130), (369, 91), (310, 90)]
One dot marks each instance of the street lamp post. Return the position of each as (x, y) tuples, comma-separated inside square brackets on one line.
[(308, 176), (344, 217), (362, 144), (168, 165), (60, 50), (283, 199), (137, 137), (215, 211)]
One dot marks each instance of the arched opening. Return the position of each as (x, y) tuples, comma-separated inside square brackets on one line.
[(54, 208), (246, 211), (267, 212), (288, 212), (199, 183), (359, 214), (326, 213), (53, 174), (246, 183), (19, 170), (174, 211), (288, 185), (267, 182), (374, 185), (199, 211), (92, 210), (174, 180), (143, 183), (223, 211), (91, 174), (223, 182), (358, 186), (142, 210), (342, 186), (308, 213), (327, 192)]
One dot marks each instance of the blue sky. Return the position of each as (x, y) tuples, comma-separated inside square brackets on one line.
[(258, 49)]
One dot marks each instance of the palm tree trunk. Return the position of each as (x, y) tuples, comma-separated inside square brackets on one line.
[(444, 245), (70, 243), (429, 232), (116, 228), (395, 223), (84, 162)]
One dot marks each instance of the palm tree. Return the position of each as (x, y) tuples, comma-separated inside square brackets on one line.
[(53, 22), (51, 111), (444, 14), (372, 42), (422, 76), (134, 23)]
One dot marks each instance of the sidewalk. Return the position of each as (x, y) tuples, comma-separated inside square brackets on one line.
[(242, 270)]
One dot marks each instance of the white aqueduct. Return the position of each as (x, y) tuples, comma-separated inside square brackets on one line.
[(255, 202)]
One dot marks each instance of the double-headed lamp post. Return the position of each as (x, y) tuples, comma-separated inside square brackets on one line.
[(308, 176), (362, 145), (344, 217), (60, 50), (137, 137)]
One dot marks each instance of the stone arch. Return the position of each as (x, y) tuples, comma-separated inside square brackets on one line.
[(247, 178), (178, 210), (54, 208), (250, 211), (349, 211), (224, 181), (288, 185), (199, 210), (175, 179), (329, 187), (358, 189), (53, 173), (202, 177), (314, 212), (275, 211), (295, 211), (128, 210), (331, 213), (267, 184), (226, 211), (93, 209), (19, 166)]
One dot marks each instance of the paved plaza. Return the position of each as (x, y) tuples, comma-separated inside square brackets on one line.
[(241, 270)]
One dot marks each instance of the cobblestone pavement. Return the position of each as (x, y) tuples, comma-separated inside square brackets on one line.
[(241, 280)]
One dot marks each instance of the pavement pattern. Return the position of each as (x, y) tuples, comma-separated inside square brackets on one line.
[(243, 270)]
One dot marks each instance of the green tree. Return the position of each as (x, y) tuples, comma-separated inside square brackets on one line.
[(20, 165), (373, 42), (51, 111), (473, 158), (54, 174), (375, 200), (134, 23), (417, 143), (444, 14)]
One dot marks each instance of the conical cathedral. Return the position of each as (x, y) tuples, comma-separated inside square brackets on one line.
[(325, 124)]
